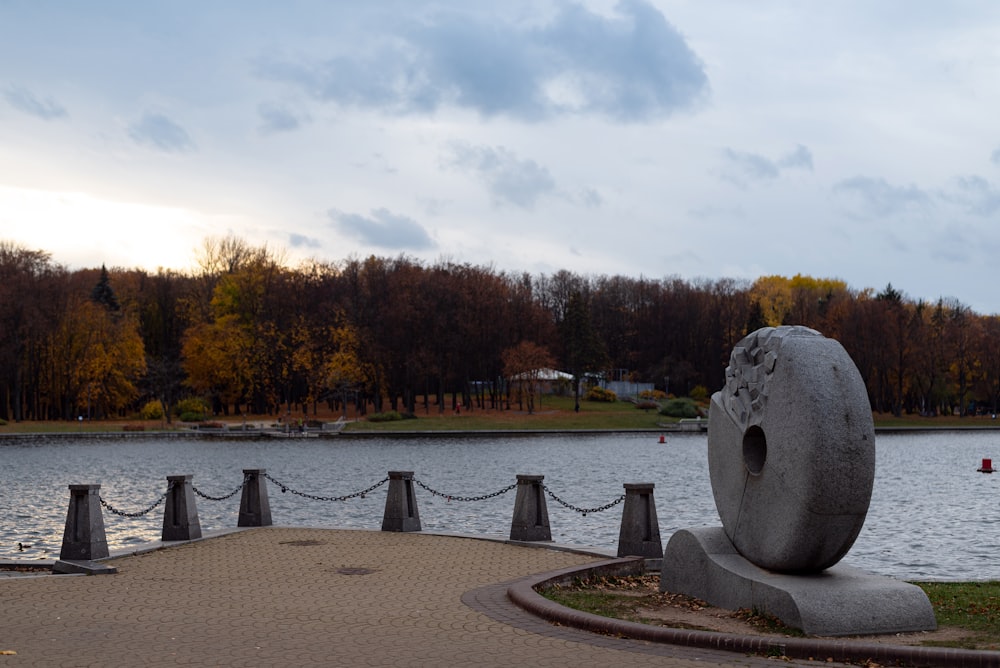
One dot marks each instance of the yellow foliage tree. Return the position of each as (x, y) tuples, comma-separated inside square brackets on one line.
[(800, 300), (342, 367), (217, 358), (773, 294), (101, 357)]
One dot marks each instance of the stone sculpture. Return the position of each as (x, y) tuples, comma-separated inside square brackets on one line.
[(791, 454), (791, 450)]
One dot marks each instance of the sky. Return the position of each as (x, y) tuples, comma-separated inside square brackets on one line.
[(853, 140)]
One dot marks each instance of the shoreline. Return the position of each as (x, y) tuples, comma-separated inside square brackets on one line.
[(236, 434)]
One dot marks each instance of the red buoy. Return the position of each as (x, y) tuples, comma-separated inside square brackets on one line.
[(987, 466), (662, 439)]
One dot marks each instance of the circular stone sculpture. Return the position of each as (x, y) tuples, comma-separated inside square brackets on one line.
[(791, 450)]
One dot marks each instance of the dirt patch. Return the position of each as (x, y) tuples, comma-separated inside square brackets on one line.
[(643, 602)]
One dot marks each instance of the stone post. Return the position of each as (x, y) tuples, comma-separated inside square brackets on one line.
[(401, 504), (531, 516), (255, 510), (83, 538), (640, 532), (180, 514)]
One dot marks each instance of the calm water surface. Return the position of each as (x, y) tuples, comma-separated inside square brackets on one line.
[(932, 515)]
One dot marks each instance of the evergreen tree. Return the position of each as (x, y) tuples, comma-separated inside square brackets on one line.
[(102, 292), (583, 350)]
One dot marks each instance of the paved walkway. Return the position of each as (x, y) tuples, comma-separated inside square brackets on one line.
[(313, 597)]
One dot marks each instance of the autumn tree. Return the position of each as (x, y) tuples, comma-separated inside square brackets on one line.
[(961, 332), (773, 296), (896, 320), (98, 359), (523, 365), (31, 289), (988, 353), (246, 333)]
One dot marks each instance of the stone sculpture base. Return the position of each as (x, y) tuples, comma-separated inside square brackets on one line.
[(839, 601)]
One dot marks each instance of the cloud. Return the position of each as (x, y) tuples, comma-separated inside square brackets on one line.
[(160, 132), (877, 197), (300, 241), (24, 100), (590, 198), (751, 165), (278, 118), (633, 66), (977, 195), (508, 179), (995, 157), (801, 157), (742, 167), (383, 229)]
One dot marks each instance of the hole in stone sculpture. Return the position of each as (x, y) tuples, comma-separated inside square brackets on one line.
[(754, 450)]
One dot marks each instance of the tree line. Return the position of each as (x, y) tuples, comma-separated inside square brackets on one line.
[(249, 333)]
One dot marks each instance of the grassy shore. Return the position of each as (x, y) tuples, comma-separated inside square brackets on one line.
[(969, 611), (553, 414)]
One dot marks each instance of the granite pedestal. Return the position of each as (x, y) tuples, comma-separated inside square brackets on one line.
[(839, 601)]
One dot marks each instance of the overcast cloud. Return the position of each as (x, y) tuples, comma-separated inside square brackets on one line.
[(160, 132), (24, 100), (383, 229), (849, 140), (630, 66)]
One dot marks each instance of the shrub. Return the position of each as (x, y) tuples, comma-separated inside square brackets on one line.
[(647, 405), (653, 395), (192, 409), (699, 393), (600, 394), (682, 407), (3, 423), (153, 410), (389, 416)]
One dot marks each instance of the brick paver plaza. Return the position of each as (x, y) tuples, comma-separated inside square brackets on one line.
[(313, 597)]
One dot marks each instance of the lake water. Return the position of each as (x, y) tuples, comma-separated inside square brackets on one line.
[(932, 516)]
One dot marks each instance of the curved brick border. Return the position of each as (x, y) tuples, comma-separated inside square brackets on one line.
[(523, 594)]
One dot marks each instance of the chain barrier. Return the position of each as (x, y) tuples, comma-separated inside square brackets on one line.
[(361, 494), (453, 497), (313, 497), (220, 498), (141, 513), (583, 511)]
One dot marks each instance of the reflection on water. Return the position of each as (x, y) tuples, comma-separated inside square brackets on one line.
[(932, 515)]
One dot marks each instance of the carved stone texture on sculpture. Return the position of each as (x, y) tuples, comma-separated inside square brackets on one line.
[(791, 450)]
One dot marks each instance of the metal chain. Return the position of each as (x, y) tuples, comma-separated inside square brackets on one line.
[(452, 497), (122, 513), (218, 498), (583, 511), (361, 494)]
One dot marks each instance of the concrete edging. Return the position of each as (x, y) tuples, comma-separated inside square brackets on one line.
[(523, 594)]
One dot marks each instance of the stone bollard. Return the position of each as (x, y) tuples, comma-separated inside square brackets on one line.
[(640, 532), (401, 504), (180, 514), (531, 516), (83, 538), (255, 510)]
